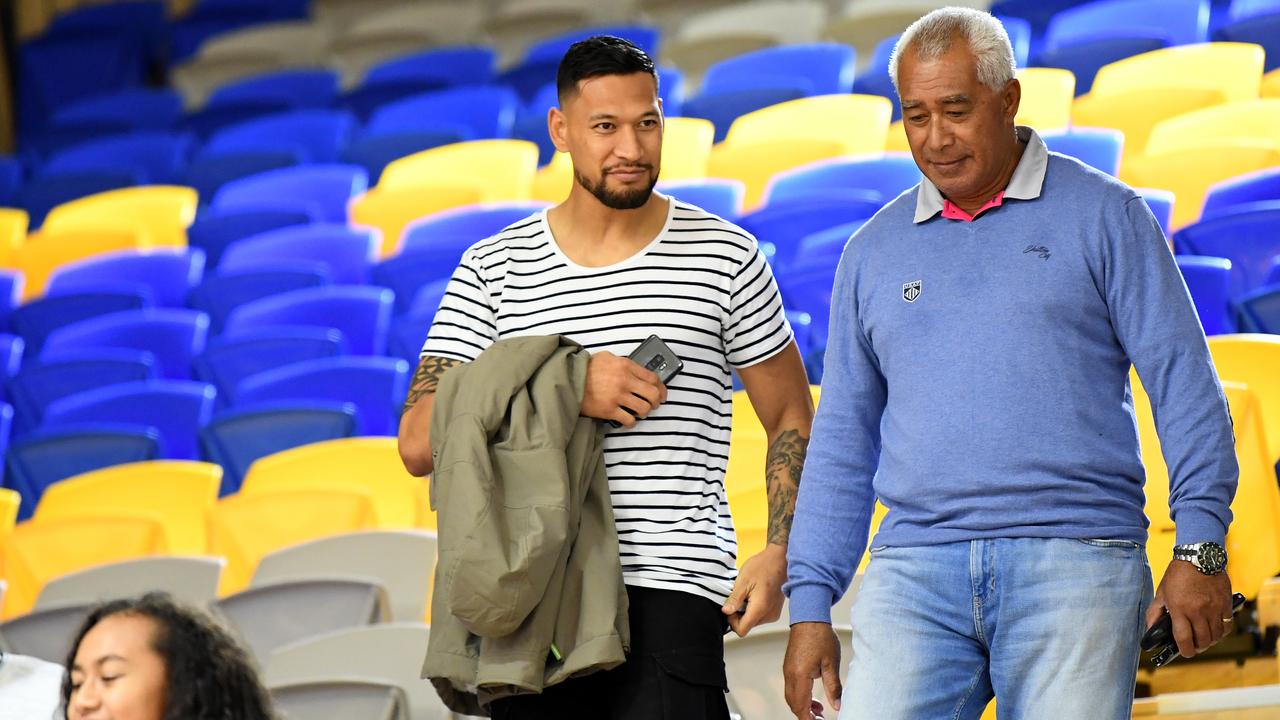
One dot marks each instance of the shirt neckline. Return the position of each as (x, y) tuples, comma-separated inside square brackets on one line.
[(633, 258)]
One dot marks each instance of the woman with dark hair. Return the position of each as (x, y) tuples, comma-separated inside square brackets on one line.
[(151, 658)]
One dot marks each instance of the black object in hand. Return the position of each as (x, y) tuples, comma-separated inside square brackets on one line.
[(1159, 640)]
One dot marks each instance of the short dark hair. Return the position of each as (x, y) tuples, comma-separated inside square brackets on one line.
[(209, 676), (600, 55)]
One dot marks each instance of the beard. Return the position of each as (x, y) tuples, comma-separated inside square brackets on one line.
[(615, 199)]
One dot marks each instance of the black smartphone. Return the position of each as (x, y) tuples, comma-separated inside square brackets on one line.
[(654, 354), (1159, 641)]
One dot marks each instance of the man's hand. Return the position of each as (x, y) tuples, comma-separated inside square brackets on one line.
[(759, 587), (617, 384), (1199, 605), (813, 651)]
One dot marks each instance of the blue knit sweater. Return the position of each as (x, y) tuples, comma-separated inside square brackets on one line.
[(976, 382)]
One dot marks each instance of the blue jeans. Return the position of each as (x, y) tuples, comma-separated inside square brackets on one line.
[(1049, 626)]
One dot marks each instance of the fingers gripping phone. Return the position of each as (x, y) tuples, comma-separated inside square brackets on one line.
[(654, 354), (1159, 641)]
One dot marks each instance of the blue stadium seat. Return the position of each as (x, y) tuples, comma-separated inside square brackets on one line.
[(1161, 204), (40, 195), (1099, 148), (1037, 13), (406, 273), (786, 224), (214, 230), (1249, 239), (365, 100), (208, 174), (723, 108), (553, 48), (177, 409), (809, 291), (219, 294), (1209, 281), (1260, 310), (322, 191), (134, 109), (42, 458), (375, 385), (140, 22), (53, 73), (234, 439), (11, 350), (1226, 196), (528, 77), (310, 88), (475, 113), (878, 179), (813, 69), (228, 360), (1177, 22), (531, 122), (346, 253), (361, 313), (155, 156), (409, 331), (316, 135), (11, 172), (824, 248), (444, 66), (40, 383), (164, 275), (1254, 22), (671, 91), (465, 226), (1273, 273), (174, 336), (375, 151), (1085, 59), (718, 196), (875, 80), (209, 121), (35, 320), (10, 295)]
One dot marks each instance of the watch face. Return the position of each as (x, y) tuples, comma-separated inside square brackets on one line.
[(1213, 559)]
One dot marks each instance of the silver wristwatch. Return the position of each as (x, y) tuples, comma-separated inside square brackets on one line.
[(1208, 557)]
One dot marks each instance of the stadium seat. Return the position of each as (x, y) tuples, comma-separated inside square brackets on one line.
[(361, 313), (786, 224), (173, 335), (440, 66), (723, 108), (153, 156), (1234, 69), (1253, 120), (177, 493), (1209, 281), (295, 43), (218, 295), (40, 195), (500, 169), (1253, 540), (187, 578), (235, 439), (214, 230), (1252, 360), (470, 225), (1259, 25), (884, 175), (1225, 196), (389, 211), (243, 528), (1160, 202), (814, 69), (40, 383), (163, 275), (368, 464), (375, 385), (1047, 94), (1178, 22), (208, 174), (1249, 238), (335, 699), (345, 253), (232, 358), (374, 151), (1260, 311), (177, 409), (858, 123), (35, 320), (162, 211), (1084, 59), (1099, 148), (755, 164), (1190, 172), (13, 233), (472, 112), (320, 191), (39, 552), (45, 252), (297, 89), (715, 195), (11, 350), (45, 634), (316, 136), (553, 48), (402, 561), (9, 501), (132, 109), (53, 73)]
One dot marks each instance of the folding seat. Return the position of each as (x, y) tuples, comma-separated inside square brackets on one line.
[(337, 699), (1253, 120), (163, 212), (374, 151), (857, 122), (1209, 281), (1190, 172), (46, 252), (755, 164), (686, 148), (208, 174), (1047, 94), (1253, 22), (298, 44), (41, 458), (1249, 238), (874, 78), (197, 78), (407, 273), (389, 211), (177, 493), (232, 358), (176, 409), (45, 633), (813, 68), (9, 501), (452, 228), (361, 313), (1099, 148), (188, 578), (132, 109), (704, 38), (1252, 360), (38, 196), (402, 561), (369, 465), (510, 26), (316, 135), (39, 552), (154, 156), (1233, 69), (35, 320), (1224, 197), (346, 254), (376, 386), (40, 383), (406, 31), (474, 112), (164, 275), (715, 195), (235, 439), (10, 291), (11, 175), (243, 528), (499, 169), (785, 224), (1260, 311), (54, 72), (173, 335), (553, 48), (876, 177), (310, 88), (321, 191), (1253, 540), (214, 230), (11, 350), (438, 66), (1083, 59), (220, 294)]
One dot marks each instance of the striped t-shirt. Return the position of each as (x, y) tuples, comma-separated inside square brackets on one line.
[(704, 288)]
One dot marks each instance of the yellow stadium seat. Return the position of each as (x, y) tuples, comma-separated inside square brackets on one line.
[(1235, 69), (244, 527), (1189, 172), (37, 552), (164, 211), (1271, 84), (390, 211), (554, 180), (1254, 359), (1242, 120), (1046, 98), (13, 233), (179, 492), (859, 124), (370, 464), (1136, 112), (897, 139), (499, 169), (9, 501), (754, 164), (49, 250), (686, 148)]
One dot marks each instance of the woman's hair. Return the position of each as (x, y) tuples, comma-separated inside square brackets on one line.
[(209, 676)]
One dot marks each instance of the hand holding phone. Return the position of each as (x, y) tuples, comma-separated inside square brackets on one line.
[(654, 355), (1159, 640)]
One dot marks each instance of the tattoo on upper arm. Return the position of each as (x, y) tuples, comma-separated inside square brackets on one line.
[(782, 480), (427, 377)]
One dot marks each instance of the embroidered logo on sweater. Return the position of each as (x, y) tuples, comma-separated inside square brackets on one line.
[(911, 291), (1040, 250)]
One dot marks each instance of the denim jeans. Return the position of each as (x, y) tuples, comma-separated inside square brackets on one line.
[(1049, 626)]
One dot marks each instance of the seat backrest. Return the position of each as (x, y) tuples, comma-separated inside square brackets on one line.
[(1180, 21), (165, 275), (1209, 281), (346, 253), (1099, 148), (1047, 95), (1248, 237), (42, 458), (294, 88), (339, 699), (1252, 360), (500, 169), (361, 313), (40, 383), (887, 175), (44, 253), (859, 123), (389, 212), (230, 359), (756, 163), (321, 190), (1223, 197), (1253, 540), (218, 295), (45, 633), (35, 320), (235, 439), (1244, 120), (214, 230), (189, 579), (164, 211), (819, 68), (176, 408), (476, 112), (173, 335), (317, 135), (1235, 69)]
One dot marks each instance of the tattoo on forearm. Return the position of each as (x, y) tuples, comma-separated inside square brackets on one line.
[(782, 480), (427, 377)]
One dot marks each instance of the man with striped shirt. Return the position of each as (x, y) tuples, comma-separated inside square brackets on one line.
[(612, 264)]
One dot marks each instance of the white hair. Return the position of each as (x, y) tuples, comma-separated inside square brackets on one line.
[(931, 37)]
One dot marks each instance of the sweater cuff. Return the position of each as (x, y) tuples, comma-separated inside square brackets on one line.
[(1195, 526), (810, 603)]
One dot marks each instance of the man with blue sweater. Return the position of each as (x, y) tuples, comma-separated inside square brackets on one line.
[(982, 329)]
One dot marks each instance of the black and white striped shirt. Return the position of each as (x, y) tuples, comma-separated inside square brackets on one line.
[(704, 288)]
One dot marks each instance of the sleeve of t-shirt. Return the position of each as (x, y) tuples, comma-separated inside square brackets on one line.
[(757, 328), (465, 325)]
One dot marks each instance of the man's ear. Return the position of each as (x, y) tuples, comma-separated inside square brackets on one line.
[(1012, 98), (557, 126)]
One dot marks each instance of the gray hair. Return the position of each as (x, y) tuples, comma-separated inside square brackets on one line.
[(931, 37)]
